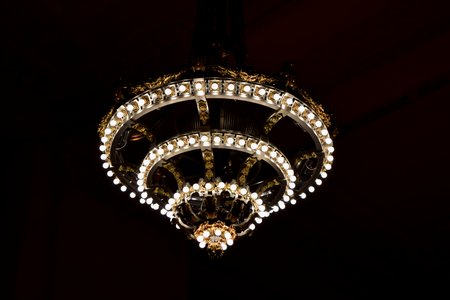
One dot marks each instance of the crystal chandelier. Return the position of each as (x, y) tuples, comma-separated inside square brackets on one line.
[(214, 147)]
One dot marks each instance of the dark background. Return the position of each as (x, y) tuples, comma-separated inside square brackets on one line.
[(379, 227)]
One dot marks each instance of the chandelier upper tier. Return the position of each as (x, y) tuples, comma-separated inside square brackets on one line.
[(217, 149)]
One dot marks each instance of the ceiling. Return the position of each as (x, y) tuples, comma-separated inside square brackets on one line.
[(380, 225)]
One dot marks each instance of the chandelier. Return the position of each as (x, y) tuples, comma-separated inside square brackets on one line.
[(216, 148)]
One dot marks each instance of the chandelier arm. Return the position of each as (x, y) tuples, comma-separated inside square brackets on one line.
[(208, 159), (245, 169), (176, 172), (141, 132), (273, 120), (203, 110)]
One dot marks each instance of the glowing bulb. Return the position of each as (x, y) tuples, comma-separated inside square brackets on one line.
[(202, 244), (217, 232), (200, 238), (224, 246), (206, 233)]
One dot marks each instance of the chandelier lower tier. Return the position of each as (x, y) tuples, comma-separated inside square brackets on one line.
[(216, 154)]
